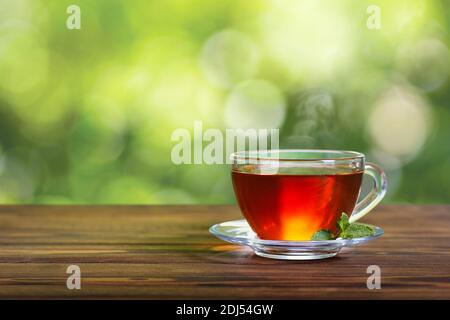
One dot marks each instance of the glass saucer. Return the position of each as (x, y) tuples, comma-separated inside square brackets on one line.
[(239, 232)]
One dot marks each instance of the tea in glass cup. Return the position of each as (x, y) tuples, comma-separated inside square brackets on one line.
[(291, 194)]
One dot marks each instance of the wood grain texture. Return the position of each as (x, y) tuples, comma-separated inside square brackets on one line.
[(166, 252)]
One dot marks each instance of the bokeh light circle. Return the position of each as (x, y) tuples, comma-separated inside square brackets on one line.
[(24, 61), (399, 123), (229, 57), (309, 40), (255, 104), (426, 63)]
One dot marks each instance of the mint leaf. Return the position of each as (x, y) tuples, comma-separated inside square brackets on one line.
[(357, 230), (322, 235), (346, 230), (343, 223)]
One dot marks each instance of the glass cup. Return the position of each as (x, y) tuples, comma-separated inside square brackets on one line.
[(291, 194)]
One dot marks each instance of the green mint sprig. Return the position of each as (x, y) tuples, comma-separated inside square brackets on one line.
[(346, 230)]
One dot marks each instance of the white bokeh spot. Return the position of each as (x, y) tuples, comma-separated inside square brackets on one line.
[(256, 104), (399, 123), (229, 57)]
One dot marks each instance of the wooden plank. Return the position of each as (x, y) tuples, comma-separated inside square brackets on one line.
[(166, 252)]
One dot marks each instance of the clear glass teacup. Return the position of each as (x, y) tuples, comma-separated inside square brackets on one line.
[(291, 194)]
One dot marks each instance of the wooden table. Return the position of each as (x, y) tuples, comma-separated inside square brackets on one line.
[(161, 252)]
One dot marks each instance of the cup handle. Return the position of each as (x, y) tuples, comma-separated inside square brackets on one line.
[(374, 196)]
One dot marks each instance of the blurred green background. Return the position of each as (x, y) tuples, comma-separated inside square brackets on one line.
[(86, 116)]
